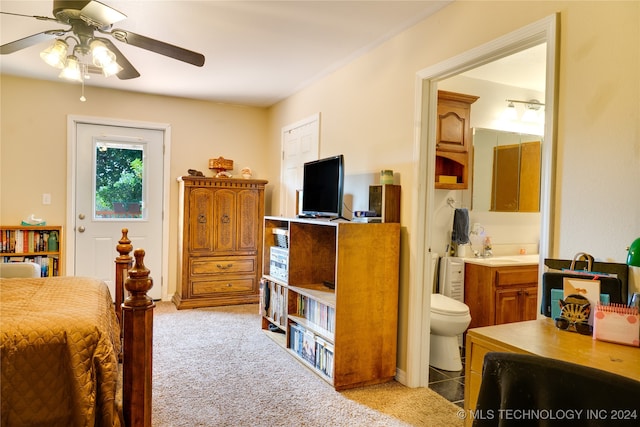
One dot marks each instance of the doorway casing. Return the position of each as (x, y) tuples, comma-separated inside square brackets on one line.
[(419, 300)]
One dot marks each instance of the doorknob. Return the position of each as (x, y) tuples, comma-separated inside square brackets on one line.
[(81, 216), (81, 229)]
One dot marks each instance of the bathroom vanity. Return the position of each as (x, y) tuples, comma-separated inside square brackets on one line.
[(501, 289)]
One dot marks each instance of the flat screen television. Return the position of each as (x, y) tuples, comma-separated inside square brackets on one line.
[(323, 187)]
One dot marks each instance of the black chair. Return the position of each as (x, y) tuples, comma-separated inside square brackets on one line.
[(526, 390)]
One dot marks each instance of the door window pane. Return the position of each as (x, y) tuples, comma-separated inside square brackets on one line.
[(119, 180)]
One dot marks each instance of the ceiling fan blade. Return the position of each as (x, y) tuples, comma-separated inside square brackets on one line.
[(128, 71), (100, 15), (31, 40), (157, 46)]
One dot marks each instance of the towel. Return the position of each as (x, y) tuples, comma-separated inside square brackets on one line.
[(460, 233)]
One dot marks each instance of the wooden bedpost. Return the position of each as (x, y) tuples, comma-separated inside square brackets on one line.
[(123, 264), (137, 322)]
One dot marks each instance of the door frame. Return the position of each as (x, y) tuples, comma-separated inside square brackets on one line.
[(312, 120), (69, 241), (418, 322)]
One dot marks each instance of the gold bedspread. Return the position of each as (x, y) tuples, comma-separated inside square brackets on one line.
[(59, 343)]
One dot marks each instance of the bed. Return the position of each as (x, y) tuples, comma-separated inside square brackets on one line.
[(61, 342)]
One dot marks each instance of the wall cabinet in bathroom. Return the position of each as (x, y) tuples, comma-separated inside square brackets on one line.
[(497, 295), (453, 140)]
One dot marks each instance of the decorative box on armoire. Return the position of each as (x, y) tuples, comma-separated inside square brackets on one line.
[(220, 241)]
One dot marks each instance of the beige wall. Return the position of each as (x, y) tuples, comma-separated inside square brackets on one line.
[(33, 143), (368, 110), (367, 113)]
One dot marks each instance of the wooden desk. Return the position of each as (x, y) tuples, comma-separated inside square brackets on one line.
[(540, 337)]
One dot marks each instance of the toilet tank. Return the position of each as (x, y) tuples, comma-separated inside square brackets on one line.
[(452, 278)]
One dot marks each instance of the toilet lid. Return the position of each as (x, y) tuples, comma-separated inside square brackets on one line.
[(445, 305)]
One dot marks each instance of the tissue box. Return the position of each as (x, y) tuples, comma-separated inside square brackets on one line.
[(617, 323)]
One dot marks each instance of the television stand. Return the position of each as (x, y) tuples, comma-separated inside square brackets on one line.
[(356, 320)]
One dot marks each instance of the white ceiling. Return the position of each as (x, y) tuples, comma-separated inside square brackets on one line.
[(257, 52)]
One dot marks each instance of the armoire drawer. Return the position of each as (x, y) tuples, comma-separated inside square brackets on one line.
[(202, 266), (222, 286)]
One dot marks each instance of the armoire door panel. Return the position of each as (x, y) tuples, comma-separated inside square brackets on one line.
[(248, 230), (225, 220), (200, 230)]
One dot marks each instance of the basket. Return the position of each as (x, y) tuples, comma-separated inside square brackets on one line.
[(220, 164), (281, 237)]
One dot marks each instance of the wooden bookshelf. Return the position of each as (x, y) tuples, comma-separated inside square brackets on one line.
[(31, 243), (354, 325)]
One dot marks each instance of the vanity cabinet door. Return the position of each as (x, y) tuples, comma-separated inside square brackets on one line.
[(530, 303), (516, 304), (508, 308)]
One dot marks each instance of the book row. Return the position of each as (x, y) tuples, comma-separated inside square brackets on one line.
[(316, 312), (48, 265), (273, 301), (312, 349), (21, 241)]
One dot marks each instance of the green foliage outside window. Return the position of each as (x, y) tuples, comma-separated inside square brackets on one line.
[(118, 177)]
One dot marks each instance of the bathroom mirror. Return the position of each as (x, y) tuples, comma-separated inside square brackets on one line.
[(506, 171)]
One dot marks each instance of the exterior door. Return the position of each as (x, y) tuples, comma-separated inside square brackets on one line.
[(119, 176)]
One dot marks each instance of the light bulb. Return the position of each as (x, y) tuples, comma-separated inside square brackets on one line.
[(111, 69), (510, 112), (55, 54), (72, 71)]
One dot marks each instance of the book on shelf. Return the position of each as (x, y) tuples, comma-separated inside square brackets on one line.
[(309, 347), (274, 302), (316, 312), (324, 357), (295, 338)]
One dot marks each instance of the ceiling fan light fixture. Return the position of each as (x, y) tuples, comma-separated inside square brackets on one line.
[(56, 54), (71, 70)]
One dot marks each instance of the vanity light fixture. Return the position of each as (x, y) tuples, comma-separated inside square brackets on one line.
[(531, 112)]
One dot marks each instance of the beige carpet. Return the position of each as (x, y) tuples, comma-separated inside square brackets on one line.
[(215, 367)]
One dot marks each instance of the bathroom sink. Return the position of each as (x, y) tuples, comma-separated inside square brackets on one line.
[(505, 260)]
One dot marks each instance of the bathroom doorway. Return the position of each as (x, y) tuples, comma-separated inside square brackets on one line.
[(543, 31)]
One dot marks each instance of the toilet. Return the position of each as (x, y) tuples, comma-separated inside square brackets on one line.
[(449, 319)]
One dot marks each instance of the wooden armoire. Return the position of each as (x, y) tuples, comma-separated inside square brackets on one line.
[(220, 241)]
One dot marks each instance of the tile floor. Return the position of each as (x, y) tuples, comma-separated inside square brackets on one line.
[(448, 384)]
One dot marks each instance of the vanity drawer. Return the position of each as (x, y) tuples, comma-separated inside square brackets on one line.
[(204, 266), (516, 275)]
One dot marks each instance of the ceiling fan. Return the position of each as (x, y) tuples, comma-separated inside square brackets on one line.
[(89, 52)]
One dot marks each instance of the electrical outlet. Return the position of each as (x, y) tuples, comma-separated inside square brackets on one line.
[(46, 198)]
